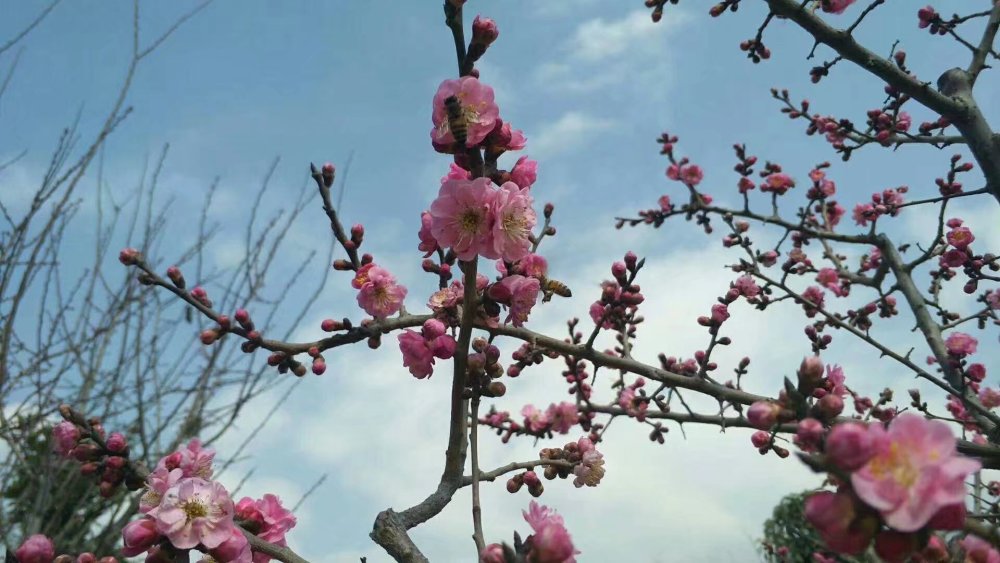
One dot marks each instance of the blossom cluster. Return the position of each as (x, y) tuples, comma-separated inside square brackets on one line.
[(550, 541)]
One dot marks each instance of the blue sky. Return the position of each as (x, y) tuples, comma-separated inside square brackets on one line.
[(592, 84)]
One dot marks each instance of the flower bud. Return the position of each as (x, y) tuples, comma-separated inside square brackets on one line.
[(328, 174), (492, 553), (810, 374), (138, 536), (175, 275), (850, 445), (129, 257), (484, 31), (830, 406), (763, 414), (116, 443)]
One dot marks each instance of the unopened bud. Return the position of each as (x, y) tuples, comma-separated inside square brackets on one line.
[(328, 174), (129, 256), (175, 275)]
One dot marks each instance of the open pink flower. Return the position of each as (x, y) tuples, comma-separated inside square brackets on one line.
[(379, 295), (513, 220), (195, 511), (590, 470), (563, 416), (960, 237), (479, 110), (456, 172), (534, 419), (835, 516), (524, 294), (961, 344), (551, 542), (158, 483), (779, 183), (536, 266), (463, 218), (915, 472)]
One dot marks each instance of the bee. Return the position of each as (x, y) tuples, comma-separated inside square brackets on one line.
[(456, 121), (552, 287)]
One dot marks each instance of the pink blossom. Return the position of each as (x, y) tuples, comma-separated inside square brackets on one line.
[(960, 238), (915, 472), (835, 380), (519, 294), (236, 549), (850, 446), (815, 296), (961, 344), (760, 439), (664, 203), (863, 213), (719, 313), (763, 414), (835, 517), (158, 482), (195, 511), (978, 550), (836, 6), (443, 346), (38, 548), (479, 110), (590, 470), (551, 542), (525, 172), (993, 299), (492, 553), (533, 266), (747, 287), (517, 139), (954, 258), (534, 419), (428, 244), (779, 183), (272, 520), (417, 355), (379, 294), (513, 220), (456, 172), (446, 298), (66, 435), (989, 397), (193, 460), (463, 218), (138, 536), (692, 175), (563, 416)]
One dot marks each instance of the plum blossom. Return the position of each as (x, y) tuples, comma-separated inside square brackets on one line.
[(416, 355), (462, 218), (533, 266), (513, 220), (159, 481), (66, 435), (961, 344), (993, 299), (138, 536), (534, 419), (379, 294), (915, 472), (978, 550), (479, 110), (519, 294), (690, 174), (193, 460), (38, 548), (746, 286), (836, 6), (195, 511), (456, 172), (778, 183), (428, 244), (524, 173), (562, 416), (271, 520), (590, 470), (837, 518), (960, 237), (551, 542), (235, 549)]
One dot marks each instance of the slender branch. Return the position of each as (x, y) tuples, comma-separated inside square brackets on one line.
[(980, 53)]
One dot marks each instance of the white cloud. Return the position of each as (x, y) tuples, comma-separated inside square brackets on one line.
[(572, 130), (598, 40)]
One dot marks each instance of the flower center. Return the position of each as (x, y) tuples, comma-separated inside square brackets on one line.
[(514, 225), (896, 465), (470, 221), (195, 508)]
